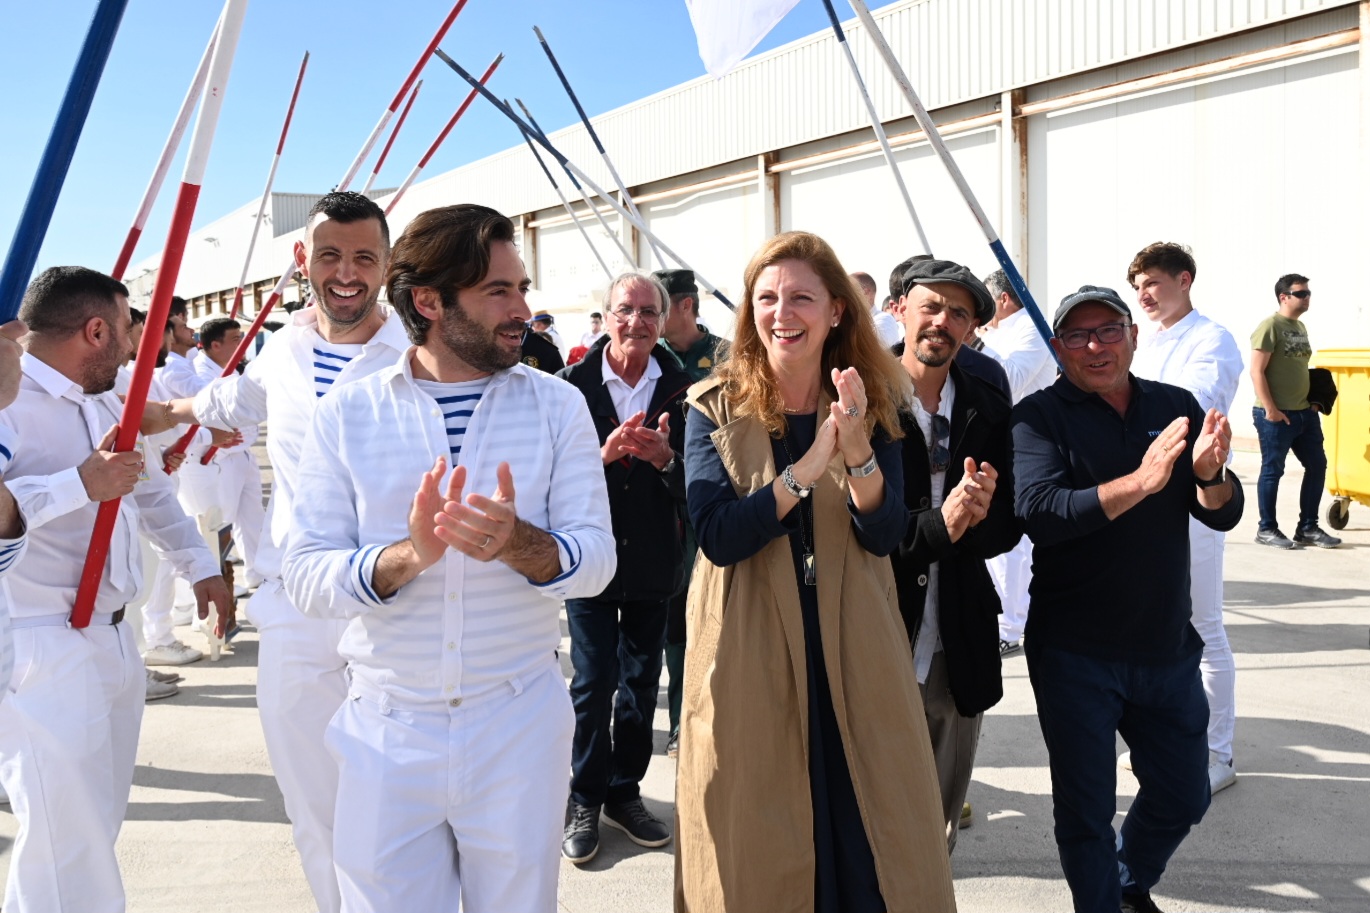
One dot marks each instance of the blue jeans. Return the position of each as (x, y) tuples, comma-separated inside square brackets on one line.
[(1162, 714), (1303, 435), (616, 651)]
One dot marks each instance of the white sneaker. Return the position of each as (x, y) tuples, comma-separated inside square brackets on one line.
[(1125, 760), (157, 690), (1220, 775), (173, 654)]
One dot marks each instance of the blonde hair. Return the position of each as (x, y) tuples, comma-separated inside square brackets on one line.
[(747, 380)]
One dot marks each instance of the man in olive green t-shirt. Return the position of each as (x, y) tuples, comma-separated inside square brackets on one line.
[(1284, 418)]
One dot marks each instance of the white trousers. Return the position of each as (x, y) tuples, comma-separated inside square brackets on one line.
[(457, 807), (1216, 666), (68, 737), (1012, 572), (249, 516), (301, 683)]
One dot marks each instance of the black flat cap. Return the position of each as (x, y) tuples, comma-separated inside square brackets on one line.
[(1087, 293), (931, 272), (677, 281)]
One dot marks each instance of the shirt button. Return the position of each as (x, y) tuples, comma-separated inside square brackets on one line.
[(451, 645), (623, 542), (452, 596), (450, 688), (434, 413), (922, 579), (922, 502), (455, 702)]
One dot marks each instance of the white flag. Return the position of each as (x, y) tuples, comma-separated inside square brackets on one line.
[(728, 29)]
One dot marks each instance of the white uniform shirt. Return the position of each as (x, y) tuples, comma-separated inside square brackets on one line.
[(629, 401), (208, 372), (11, 553), (929, 632), (178, 375), (1023, 353), (462, 627), (886, 327), (280, 382), (60, 426), (1195, 353)]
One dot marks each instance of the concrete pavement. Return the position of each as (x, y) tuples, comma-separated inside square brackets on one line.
[(206, 830)]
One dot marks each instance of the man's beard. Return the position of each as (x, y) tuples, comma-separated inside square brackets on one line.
[(933, 361), (101, 373), (344, 320), (473, 343)]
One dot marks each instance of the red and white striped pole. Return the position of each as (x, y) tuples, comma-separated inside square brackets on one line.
[(288, 273), (266, 194), (385, 151), (423, 162), (197, 158), (173, 143)]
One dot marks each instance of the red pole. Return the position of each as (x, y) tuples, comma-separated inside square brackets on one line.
[(470, 97), (230, 27), (266, 194), (173, 142), (385, 152)]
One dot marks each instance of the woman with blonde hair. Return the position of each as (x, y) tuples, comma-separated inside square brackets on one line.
[(806, 777)]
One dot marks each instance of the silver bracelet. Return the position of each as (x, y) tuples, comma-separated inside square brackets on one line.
[(792, 485)]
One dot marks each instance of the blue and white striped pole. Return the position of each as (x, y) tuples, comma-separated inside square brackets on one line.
[(56, 160), (920, 114)]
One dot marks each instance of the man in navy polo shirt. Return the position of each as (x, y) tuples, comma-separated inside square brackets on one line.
[(1109, 468)]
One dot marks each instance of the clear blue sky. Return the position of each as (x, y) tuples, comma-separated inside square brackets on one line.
[(613, 51)]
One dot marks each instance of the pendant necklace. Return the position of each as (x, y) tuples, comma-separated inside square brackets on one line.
[(805, 521)]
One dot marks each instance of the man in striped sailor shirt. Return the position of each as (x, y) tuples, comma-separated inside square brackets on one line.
[(446, 505)]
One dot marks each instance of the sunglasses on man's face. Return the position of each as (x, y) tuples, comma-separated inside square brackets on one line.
[(1300, 294)]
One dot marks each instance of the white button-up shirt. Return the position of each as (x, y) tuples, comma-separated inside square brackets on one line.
[(279, 382), (1023, 353), (178, 375), (929, 639), (462, 627), (628, 400), (1195, 353), (59, 427), (11, 553)]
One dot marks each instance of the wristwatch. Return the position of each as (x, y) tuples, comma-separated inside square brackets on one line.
[(865, 469), (1214, 482), (792, 485), (669, 465)]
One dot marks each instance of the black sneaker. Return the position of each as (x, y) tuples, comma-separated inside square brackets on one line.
[(1314, 535), (580, 842), (1275, 539), (1009, 647), (641, 826), (1139, 903), (673, 744)]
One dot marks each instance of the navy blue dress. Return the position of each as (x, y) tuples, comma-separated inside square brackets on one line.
[(731, 530)]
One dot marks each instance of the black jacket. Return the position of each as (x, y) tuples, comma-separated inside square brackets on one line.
[(968, 606), (642, 502)]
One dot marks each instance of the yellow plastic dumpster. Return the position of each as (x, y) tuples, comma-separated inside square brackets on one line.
[(1346, 431)]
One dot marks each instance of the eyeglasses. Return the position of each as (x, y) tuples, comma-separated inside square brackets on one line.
[(940, 457), (1107, 335), (1300, 294), (625, 314)]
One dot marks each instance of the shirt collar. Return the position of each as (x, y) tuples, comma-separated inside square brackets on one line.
[(403, 370), (652, 373), (1071, 393), (390, 333), (1180, 327), (53, 382)]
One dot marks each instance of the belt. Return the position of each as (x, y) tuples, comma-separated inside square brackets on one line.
[(64, 620)]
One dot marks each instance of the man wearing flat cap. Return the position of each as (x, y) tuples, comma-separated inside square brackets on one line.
[(959, 490), (1108, 467)]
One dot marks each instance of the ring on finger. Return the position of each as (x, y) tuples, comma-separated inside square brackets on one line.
[(853, 411), (485, 543)]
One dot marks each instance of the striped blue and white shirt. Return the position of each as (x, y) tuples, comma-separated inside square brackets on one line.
[(463, 627), (329, 360), (458, 403)]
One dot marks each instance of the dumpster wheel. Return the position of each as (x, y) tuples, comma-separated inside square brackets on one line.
[(1338, 512)]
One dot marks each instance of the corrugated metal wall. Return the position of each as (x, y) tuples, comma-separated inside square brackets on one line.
[(953, 50)]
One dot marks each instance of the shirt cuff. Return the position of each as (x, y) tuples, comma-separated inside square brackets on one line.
[(67, 490), (361, 570), (10, 551), (9, 446), (568, 558)]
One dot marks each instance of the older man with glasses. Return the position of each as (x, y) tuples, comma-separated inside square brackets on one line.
[(635, 389), (1109, 467)]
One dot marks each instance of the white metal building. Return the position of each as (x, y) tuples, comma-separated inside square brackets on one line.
[(1087, 130)]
